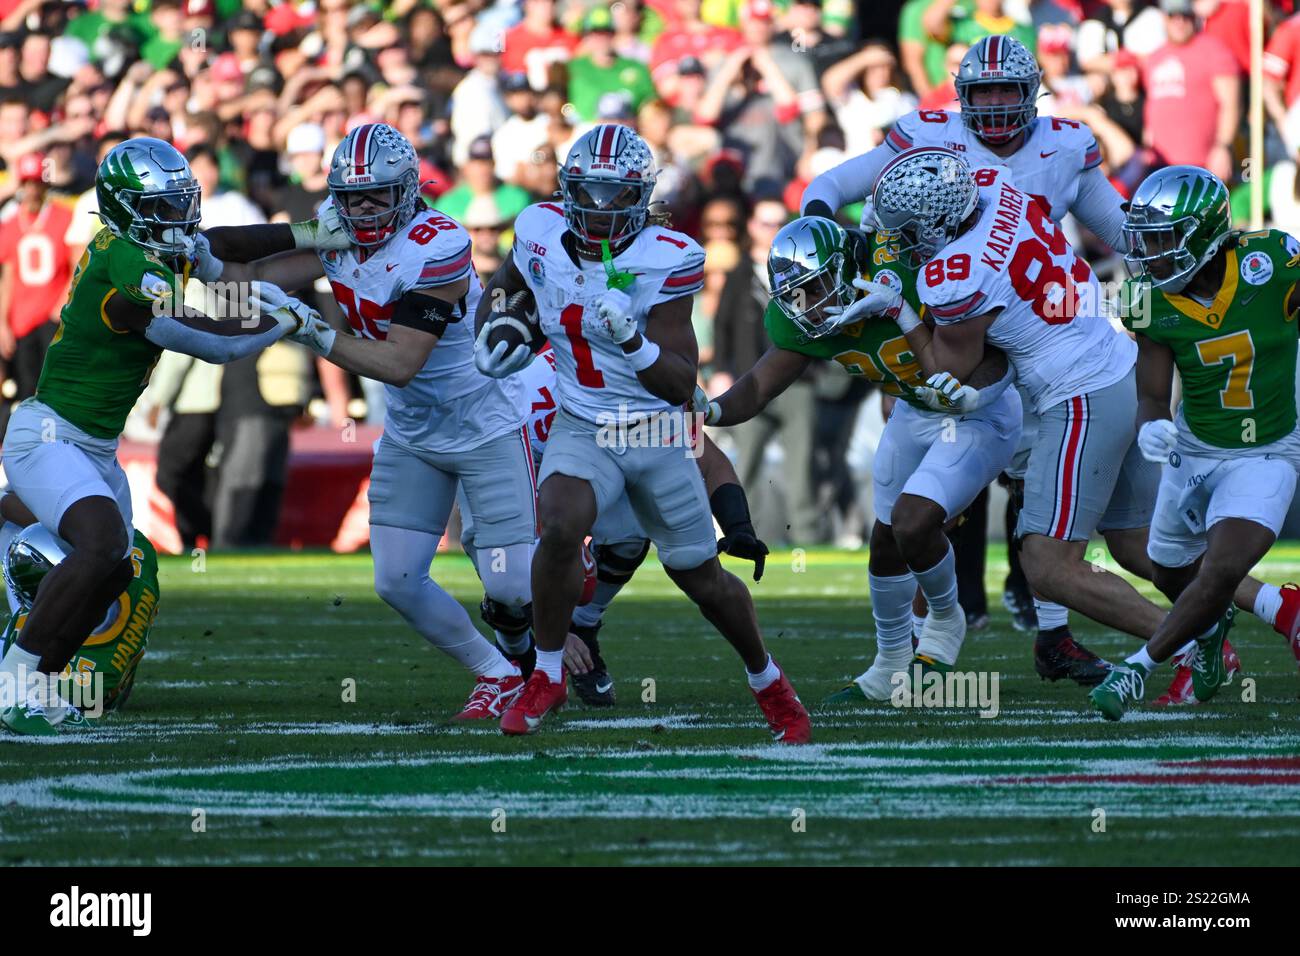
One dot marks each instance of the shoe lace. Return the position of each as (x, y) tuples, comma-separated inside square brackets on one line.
[(1199, 661), (482, 696), (1129, 683)]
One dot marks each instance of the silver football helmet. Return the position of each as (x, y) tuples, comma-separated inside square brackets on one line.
[(924, 195), (33, 553), (1177, 220), (998, 60), (605, 184), (375, 158), (148, 195), (808, 274)]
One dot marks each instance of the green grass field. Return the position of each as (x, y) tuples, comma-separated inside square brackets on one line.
[(238, 713)]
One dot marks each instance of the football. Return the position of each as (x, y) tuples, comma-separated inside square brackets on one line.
[(516, 323)]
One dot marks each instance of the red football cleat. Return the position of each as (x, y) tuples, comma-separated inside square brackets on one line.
[(1288, 619), (538, 699), (785, 713), (1180, 688), (588, 575), (490, 697)]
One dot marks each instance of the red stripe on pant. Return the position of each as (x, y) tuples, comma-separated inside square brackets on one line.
[(1068, 466), (532, 477)]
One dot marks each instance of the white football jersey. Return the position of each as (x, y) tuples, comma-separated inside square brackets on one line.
[(1016, 259), (449, 405), (1047, 165), (593, 376), (540, 392)]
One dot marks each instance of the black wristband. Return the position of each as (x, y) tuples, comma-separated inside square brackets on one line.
[(730, 506), (249, 243), (818, 207)]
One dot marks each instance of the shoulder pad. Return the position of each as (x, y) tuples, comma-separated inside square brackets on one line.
[(922, 128), (441, 258)]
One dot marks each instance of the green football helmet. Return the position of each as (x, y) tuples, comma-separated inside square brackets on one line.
[(1177, 220), (809, 274), (33, 553), (148, 195)]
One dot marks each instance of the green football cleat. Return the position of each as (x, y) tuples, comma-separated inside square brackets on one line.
[(73, 720), (1123, 685), (27, 721), (848, 694), (1208, 671)]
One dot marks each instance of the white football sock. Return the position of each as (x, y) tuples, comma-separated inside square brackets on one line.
[(1142, 659), (765, 678), (514, 646), (1268, 602), (1186, 649), (939, 585), (592, 613), (891, 607), (1050, 614), (17, 667), (551, 663), (402, 558), (918, 623)]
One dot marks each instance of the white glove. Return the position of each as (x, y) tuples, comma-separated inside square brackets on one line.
[(944, 393), (204, 266), (290, 314), (612, 316), (700, 405), (323, 233), (880, 299), (316, 334), (495, 363), (1157, 439)]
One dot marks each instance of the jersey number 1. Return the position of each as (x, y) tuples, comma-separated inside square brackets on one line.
[(588, 375)]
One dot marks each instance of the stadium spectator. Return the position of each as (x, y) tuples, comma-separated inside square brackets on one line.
[(536, 43), (688, 36), (478, 178), (476, 104), (922, 55), (1193, 95), (600, 71), (1066, 89), (803, 31), (35, 268), (965, 21), (486, 225), (864, 91), (1282, 70), (1229, 20), (1124, 102), (1132, 25)]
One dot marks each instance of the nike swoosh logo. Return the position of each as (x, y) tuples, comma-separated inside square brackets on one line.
[(1246, 300), (390, 267), (1045, 155), (604, 688), (532, 722)]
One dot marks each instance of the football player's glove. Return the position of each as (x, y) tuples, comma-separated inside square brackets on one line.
[(944, 393), (612, 316), (495, 363), (1157, 438)]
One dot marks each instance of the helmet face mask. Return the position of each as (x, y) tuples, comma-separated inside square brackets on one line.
[(606, 183), (1178, 219), (1002, 73), (148, 196), (377, 161), (806, 274)]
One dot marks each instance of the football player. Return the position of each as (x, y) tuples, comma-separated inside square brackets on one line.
[(937, 453), (114, 649), (618, 542), (60, 452), (1219, 306), (1057, 162), (614, 291), (406, 284)]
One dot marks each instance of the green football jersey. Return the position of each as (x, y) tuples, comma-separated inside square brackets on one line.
[(93, 373), (1236, 356), (875, 347), (115, 648)]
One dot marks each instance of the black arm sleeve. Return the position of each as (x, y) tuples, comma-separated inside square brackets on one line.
[(424, 313), (731, 508), (244, 244)]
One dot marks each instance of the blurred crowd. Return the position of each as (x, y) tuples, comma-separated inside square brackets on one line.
[(742, 102)]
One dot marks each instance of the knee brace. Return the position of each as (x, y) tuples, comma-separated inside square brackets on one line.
[(508, 620), (617, 562)]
